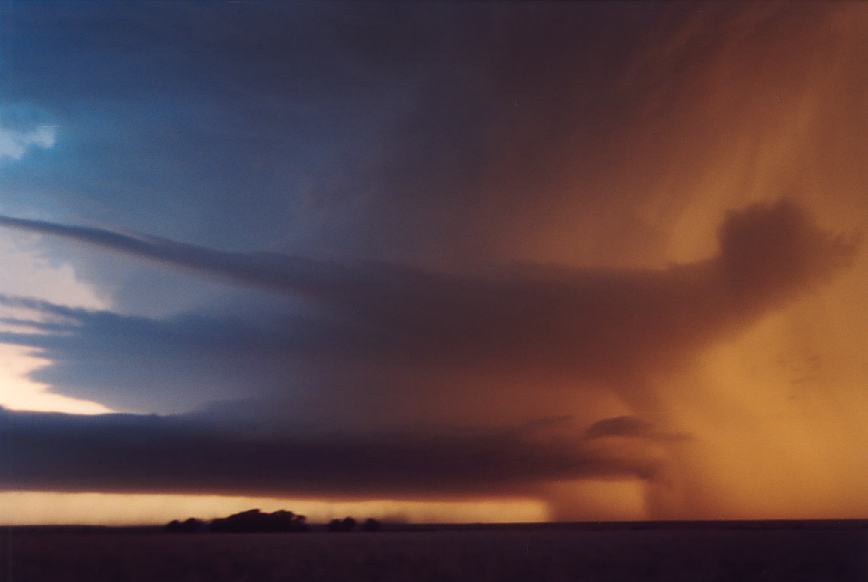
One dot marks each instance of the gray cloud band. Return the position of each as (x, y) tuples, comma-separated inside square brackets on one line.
[(60, 452)]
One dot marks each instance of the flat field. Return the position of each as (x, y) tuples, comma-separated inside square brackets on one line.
[(534, 554)]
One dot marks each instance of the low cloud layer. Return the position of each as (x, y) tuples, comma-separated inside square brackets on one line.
[(176, 454)]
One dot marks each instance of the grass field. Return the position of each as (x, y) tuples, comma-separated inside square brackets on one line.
[(813, 554)]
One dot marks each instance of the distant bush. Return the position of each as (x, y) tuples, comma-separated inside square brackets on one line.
[(345, 524)]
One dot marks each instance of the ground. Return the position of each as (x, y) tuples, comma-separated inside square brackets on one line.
[(537, 554)]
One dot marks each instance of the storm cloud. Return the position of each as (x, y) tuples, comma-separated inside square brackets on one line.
[(370, 249)]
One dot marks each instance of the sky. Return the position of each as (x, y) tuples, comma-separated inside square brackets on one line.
[(433, 261)]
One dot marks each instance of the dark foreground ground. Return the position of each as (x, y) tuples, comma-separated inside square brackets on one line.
[(795, 553)]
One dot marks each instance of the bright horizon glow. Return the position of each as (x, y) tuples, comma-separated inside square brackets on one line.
[(49, 508)]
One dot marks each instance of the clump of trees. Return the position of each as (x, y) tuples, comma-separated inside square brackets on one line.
[(257, 521)]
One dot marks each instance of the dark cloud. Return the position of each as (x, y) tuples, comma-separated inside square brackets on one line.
[(189, 454)]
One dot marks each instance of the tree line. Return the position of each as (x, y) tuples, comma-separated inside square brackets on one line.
[(257, 521)]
